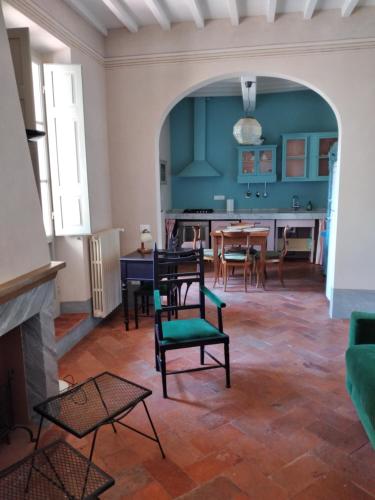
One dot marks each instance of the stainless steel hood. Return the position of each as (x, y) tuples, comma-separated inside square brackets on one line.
[(199, 167)]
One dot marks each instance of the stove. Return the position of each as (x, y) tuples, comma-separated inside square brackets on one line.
[(198, 210)]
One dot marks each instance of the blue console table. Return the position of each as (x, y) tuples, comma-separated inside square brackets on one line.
[(134, 267)]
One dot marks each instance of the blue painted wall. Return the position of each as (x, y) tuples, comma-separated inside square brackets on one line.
[(302, 111)]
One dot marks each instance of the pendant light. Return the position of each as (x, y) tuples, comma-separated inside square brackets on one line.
[(248, 130)]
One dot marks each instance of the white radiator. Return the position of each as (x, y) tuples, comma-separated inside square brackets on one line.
[(105, 271)]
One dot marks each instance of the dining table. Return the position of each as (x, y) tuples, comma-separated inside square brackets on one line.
[(257, 238)]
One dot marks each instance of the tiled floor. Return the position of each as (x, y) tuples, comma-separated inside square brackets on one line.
[(286, 428), (66, 322)]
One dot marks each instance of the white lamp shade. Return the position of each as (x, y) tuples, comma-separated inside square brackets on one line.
[(146, 237), (248, 131)]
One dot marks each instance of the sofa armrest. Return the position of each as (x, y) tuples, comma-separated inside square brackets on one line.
[(362, 328)]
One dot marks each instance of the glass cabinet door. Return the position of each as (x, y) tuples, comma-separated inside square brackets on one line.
[(295, 158), (325, 144), (248, 163), (265, 161)]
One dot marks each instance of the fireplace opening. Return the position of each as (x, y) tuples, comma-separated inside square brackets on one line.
[(12, 377)]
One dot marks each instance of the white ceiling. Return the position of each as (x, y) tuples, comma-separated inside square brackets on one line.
[(133, 14)]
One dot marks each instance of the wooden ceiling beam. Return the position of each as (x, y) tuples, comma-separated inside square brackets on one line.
[(348, 7), (196, 12), (84, 12), (123, 14), (233, 12), (159, 14), (310, 6), (271, 11)]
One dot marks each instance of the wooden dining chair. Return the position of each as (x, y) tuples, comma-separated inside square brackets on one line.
[(229, 258), (208, 253), (274, 257)]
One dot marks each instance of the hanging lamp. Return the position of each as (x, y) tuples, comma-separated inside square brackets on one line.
[(248, 130)]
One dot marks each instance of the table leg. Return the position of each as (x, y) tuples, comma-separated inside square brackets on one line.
[(125, 303), (216, 260), (89, 462), (35, 448), (312, 244)]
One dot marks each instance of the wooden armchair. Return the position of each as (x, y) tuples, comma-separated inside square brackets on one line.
[(191, 332)]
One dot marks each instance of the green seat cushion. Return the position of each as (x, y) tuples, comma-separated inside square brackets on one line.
[(182, 330), (360, 369), (236, 256), (208, 252)]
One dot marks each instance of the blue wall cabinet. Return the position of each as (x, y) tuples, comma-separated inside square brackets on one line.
[(305, 156), (256, 164), (321, 144), (295, 157)]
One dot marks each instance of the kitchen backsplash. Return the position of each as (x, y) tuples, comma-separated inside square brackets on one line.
[(302, 111)]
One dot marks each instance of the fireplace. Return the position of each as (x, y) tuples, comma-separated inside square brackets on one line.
[(27, 340)]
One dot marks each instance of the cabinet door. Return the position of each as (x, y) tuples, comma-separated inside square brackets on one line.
[(248, 163), (323, 143), (257, 164), (266, 161), (295, 158)]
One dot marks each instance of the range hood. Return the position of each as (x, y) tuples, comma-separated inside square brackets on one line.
[(199, 167)]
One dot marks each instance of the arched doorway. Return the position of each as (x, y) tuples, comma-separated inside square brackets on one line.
[(314, 190)]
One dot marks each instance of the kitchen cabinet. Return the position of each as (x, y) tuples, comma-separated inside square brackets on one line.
[(305, 156), (300, 238), (256, 164)]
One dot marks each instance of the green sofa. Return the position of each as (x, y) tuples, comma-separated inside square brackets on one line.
[(360, 369)]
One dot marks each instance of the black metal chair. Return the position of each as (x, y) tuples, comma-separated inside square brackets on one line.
[(184, 333)]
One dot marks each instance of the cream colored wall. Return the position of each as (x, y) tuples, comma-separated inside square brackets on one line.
[(86, 47), (23, 245), (141, 91), (73, 283)]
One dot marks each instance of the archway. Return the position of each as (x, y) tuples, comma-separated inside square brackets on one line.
[(224, 76)]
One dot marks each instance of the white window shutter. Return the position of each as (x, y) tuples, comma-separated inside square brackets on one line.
[(66, 141)]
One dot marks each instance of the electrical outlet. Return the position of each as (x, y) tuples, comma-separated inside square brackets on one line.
[(219, 197)]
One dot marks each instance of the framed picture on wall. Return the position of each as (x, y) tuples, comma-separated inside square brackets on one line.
[(163, 172)]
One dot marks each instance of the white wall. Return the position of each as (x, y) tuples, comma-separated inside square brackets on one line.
[(327, 53), (73, 283), (23, 245), (85, 47)]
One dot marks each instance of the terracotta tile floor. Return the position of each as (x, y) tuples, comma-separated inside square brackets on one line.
[(286, 428), (66, 322)]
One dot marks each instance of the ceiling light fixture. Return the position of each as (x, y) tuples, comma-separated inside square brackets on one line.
[(248, 130)]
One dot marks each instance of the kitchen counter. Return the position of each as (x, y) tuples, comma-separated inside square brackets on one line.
[(252, 213)]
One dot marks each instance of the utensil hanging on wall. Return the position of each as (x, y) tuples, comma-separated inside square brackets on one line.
[(248, 192), (265, 194)]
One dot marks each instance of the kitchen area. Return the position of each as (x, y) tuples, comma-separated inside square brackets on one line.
[(250, 150)]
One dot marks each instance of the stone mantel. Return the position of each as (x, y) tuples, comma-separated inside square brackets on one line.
[(12, 289), (27, 304)]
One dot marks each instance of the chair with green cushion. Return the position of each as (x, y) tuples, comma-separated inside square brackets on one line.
[(232, 256), (360, 369), (187, 266), (275, 257)]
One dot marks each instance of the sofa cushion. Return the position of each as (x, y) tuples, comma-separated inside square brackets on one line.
[(360, 366)]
